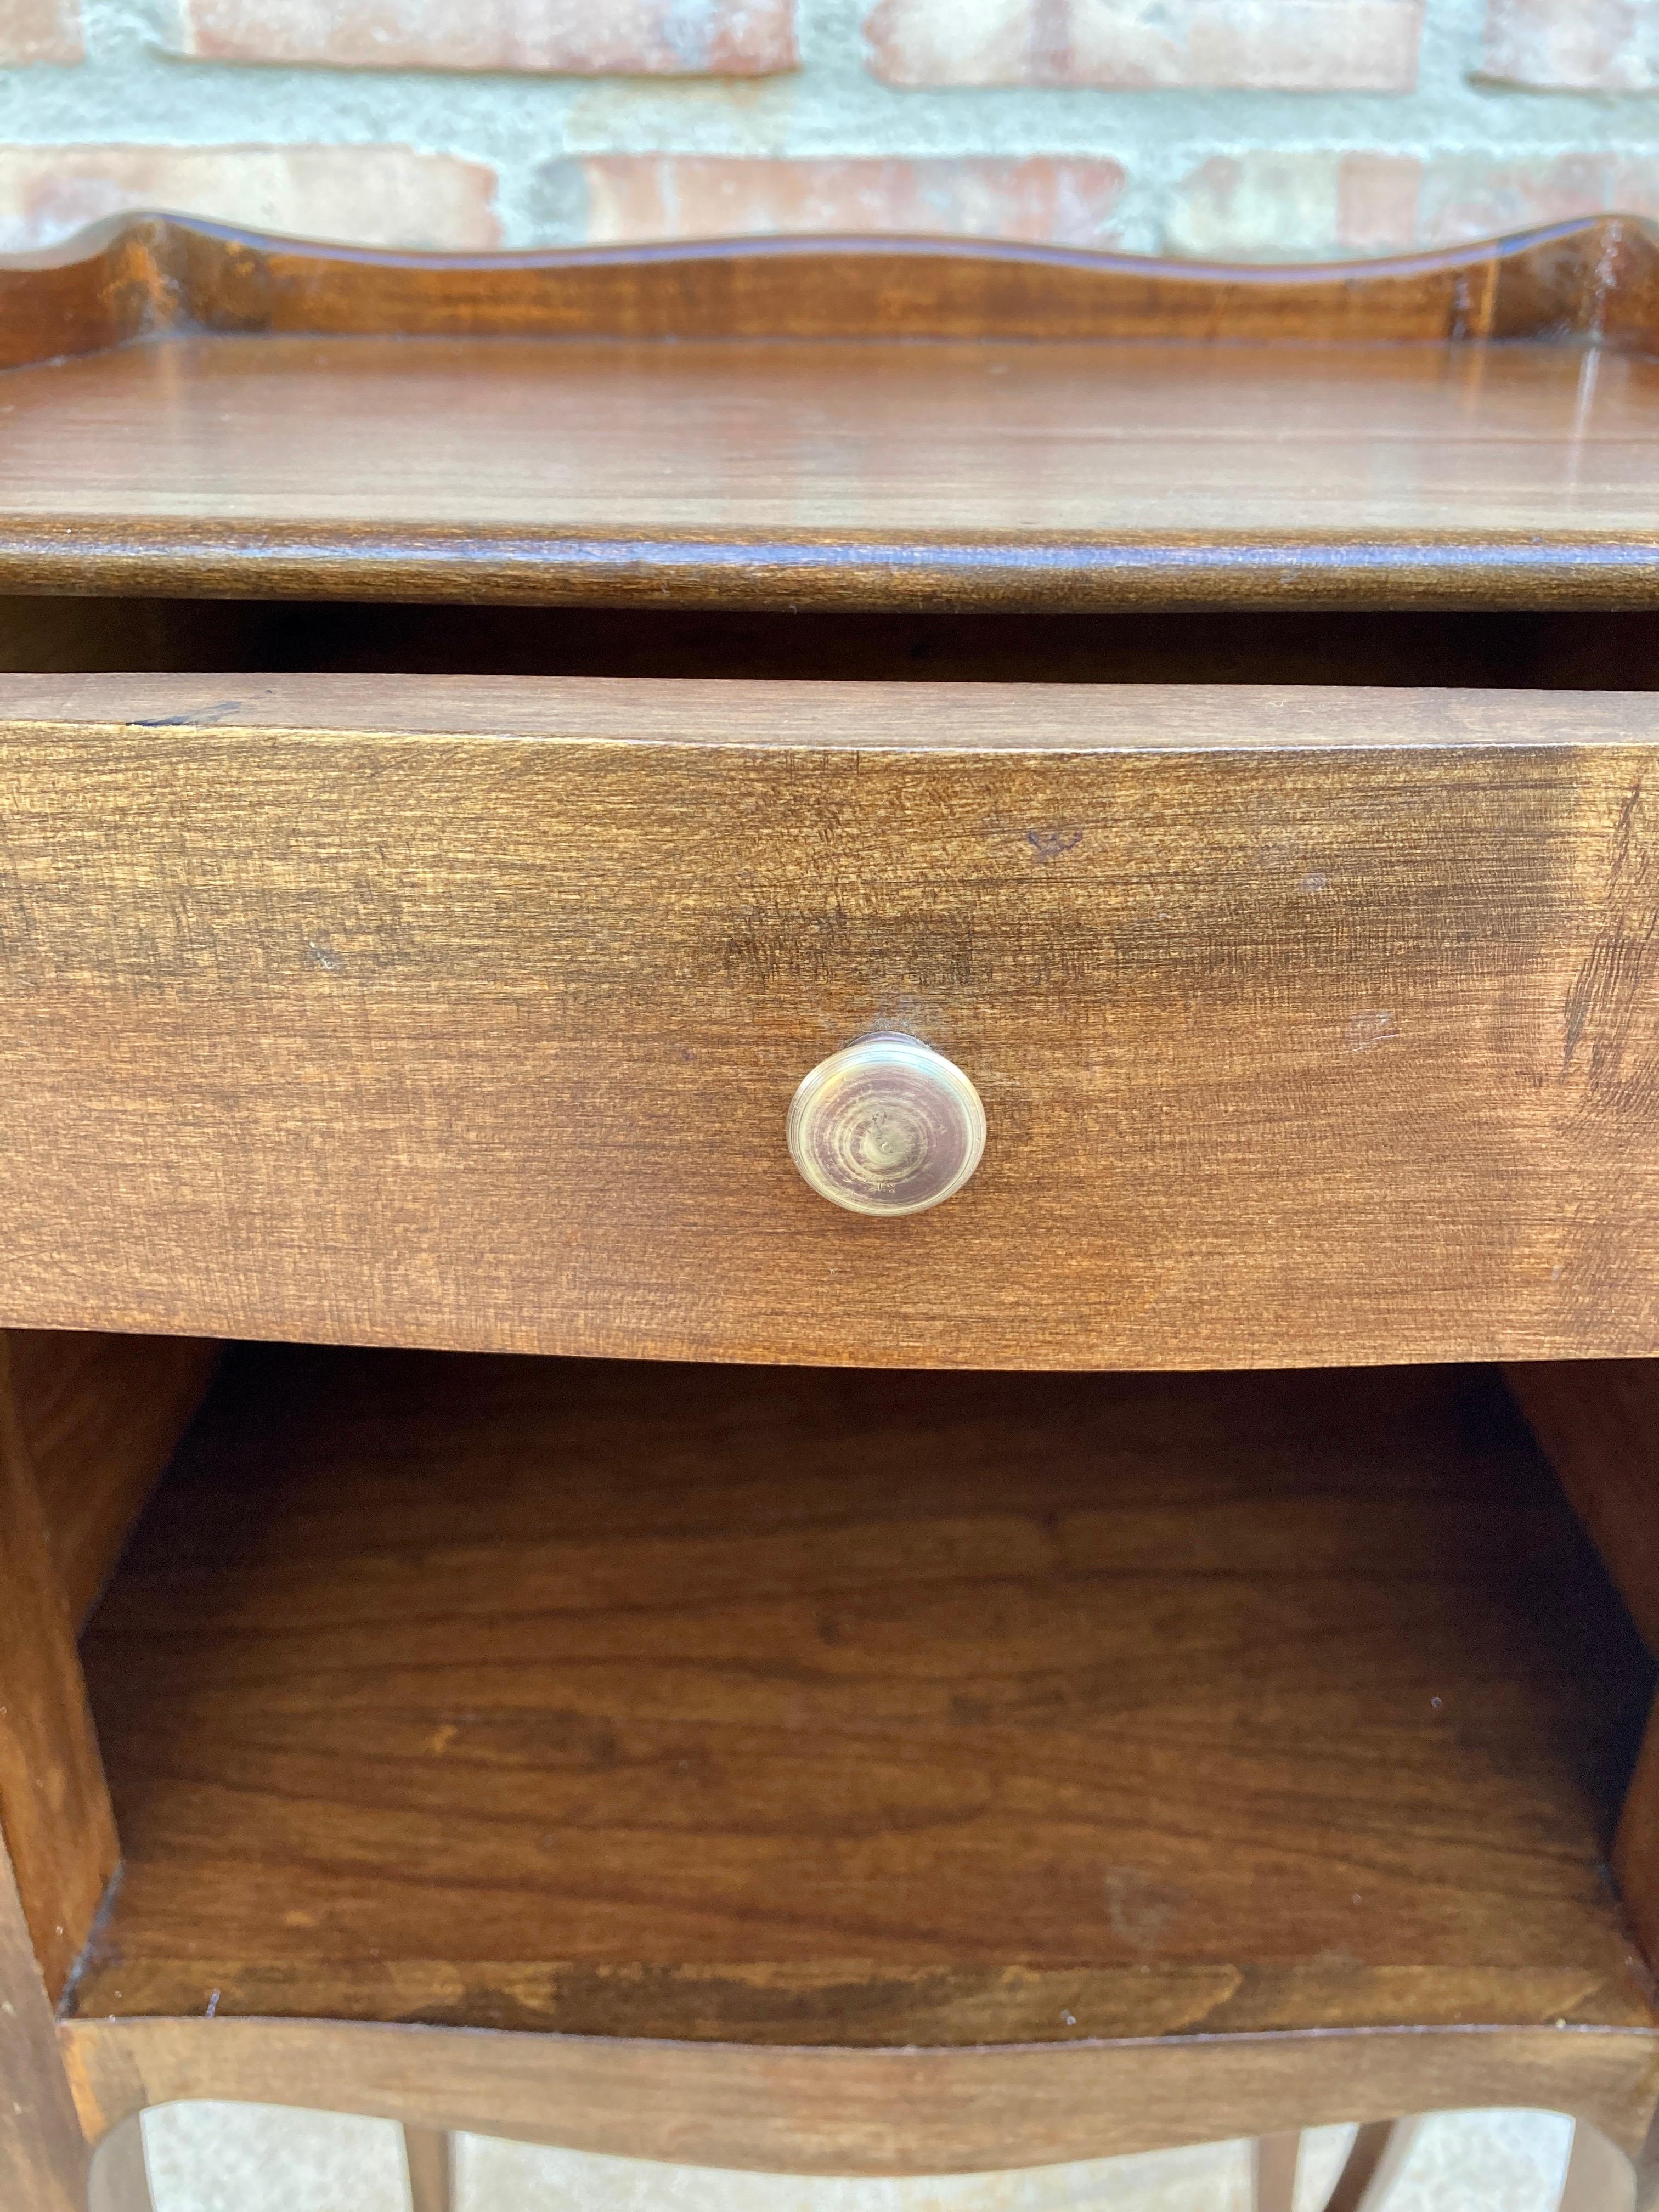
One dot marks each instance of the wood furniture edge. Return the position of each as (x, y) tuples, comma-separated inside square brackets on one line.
[(837, 2112), (1597, 1422), (55, 1810), (140, 275), (808, 573), (783, 715), (101, 1415), (43, 2150), (1586, 285)]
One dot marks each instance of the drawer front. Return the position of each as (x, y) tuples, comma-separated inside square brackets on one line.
[(1310, 1025)]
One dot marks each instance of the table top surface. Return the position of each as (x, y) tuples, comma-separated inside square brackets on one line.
[(1059, 471)]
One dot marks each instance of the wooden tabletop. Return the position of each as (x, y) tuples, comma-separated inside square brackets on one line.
[(746, 471), (832, 424)]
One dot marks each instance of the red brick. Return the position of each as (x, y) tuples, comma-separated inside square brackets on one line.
[(632, 197), (40, 31), (1313, 46), (652, 38), (1252, 206), (1573, 45), (1464, 197), (363, 195), (1256, 206)]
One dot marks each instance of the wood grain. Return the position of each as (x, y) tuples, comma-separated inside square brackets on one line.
[(137, 276), (793, 1707), (1312, 1025), (869, 2111), (1355, 440), (100, 1416), (43, 2152), (54, 1810), (756, 473)]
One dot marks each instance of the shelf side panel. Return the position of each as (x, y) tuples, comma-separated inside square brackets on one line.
[(100, 1416), (55, 1811)]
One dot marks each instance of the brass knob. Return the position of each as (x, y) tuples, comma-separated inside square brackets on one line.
[(886, 1126)]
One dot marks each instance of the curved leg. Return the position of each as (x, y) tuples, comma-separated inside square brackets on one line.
[(1600, 2177), (43, 2153), (119, 2179), (1379, 2151), (429, 2153), (1275, 2169)]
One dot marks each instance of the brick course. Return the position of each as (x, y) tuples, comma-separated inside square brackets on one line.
[(1318, 46), (1243, 128), (367, 195), (672, 38), (1269, 206), (633, 198), (1573, 45), (40, 31)]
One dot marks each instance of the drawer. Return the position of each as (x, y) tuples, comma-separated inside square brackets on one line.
[(1312, 1023)]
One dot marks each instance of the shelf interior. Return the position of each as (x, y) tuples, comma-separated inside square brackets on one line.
[(1031, 438), (865, 1708), (1558, 649), (858, 471)]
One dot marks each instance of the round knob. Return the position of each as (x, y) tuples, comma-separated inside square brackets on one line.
[(887, 1126)]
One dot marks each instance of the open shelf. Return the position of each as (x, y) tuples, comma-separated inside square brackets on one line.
[(745, 472), (832, 423), (860, 1708)]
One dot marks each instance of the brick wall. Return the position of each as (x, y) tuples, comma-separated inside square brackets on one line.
[(1252, 127)]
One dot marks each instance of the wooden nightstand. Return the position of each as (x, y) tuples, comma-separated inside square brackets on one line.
[(1092, 1661)]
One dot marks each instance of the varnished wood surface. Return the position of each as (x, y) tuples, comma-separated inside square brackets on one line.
[(869, 472), (139, 275), (55, 1815), (964, 720), (43, 2150), (798, 1707), (100, 1416), (1311, 1026), (875, 2112)]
